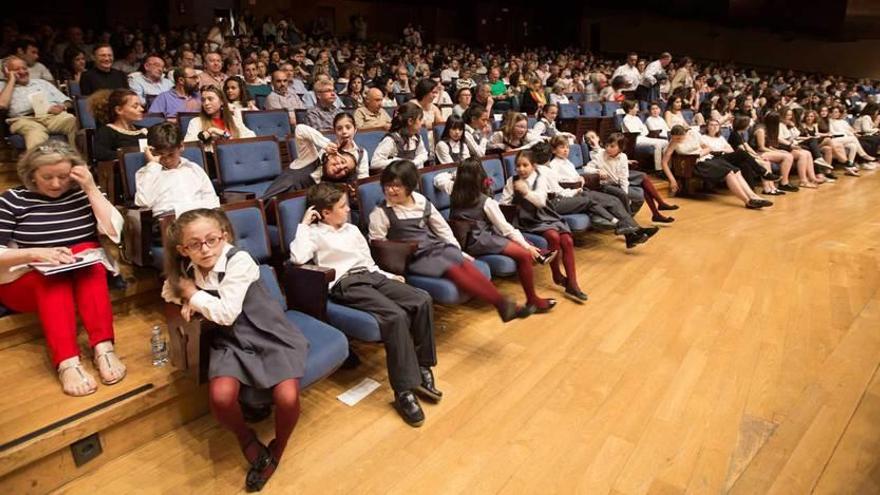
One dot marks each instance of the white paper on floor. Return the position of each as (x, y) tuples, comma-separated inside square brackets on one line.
[(355, 394)]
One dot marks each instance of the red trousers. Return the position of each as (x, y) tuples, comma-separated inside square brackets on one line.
[(57, 298)]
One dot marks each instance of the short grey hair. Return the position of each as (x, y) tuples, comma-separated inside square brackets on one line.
[(49, 152)]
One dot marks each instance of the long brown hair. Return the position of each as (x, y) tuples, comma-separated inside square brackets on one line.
[(225, 113), (174, 261), (510, 121), (103, 103)]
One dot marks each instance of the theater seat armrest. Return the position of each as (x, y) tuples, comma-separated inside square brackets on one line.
[(509, 212), (106, 179), (307, 288), (236, 196), (461, 229), (137, 233), (683, 165), (392, 256), (185, 343), (591, 181)]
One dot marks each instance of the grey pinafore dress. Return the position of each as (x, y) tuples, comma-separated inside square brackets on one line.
[(434, 256), (456, 157), (530, 218), (262, 347), (482, 238), (400, 145)]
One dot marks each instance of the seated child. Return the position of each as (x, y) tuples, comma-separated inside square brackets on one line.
[(403, 141), (601, 161), (710, 169), (319, 159), (258, 347), (451, 147), (490, 233), (565, 200), (168, 180), (528, 190), (545, 127), (406, 215), (404, 313)]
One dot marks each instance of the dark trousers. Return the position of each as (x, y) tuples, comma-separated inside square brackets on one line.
[(406, 322), (609, 207), (633, 198)]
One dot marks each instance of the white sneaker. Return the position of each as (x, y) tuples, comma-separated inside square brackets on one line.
[(869, 166), (852, 171), (821, 162)]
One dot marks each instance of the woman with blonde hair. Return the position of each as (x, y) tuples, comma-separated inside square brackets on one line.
[(54, 217)]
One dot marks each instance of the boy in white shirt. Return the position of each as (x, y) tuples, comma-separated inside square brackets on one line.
[(612, 165), (169, 182), (404, 313)]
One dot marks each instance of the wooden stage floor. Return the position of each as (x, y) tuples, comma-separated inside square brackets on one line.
[(736, 352)]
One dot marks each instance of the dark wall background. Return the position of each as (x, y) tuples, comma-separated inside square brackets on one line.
[(835, 35)]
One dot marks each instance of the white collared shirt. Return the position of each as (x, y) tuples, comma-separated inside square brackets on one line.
[(630, 74), (341, 249), (379, 222), (161, 189), (616, 167), (240, 272), (537, 194)]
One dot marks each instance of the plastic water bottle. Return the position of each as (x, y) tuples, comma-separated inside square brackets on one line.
[(159, 347)]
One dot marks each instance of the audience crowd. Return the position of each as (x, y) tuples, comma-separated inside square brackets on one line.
[(759, 133)]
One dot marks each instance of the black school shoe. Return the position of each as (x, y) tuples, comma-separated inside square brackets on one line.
[(409, 409), (789, 188), (427, 389), (636, 238), (576, 294), (755, 204), (649, 231)]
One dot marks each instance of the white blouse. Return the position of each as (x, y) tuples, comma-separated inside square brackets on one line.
[(342, 249), (379, 222), (386, 152), (657, 124), (444, 151), (240, 272)]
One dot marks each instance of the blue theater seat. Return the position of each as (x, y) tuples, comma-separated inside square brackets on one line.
[(247, 165), (354, 323)]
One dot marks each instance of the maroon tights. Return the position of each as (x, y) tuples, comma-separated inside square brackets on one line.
[(470, 279), (523, 260), (562, 242), (223, 397), (652, 197)]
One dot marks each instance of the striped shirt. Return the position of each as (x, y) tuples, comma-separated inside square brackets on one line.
[(29, 219)]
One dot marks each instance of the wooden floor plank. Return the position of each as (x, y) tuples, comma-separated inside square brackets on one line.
[(736, 351)]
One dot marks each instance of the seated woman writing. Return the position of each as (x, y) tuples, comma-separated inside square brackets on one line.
[(59, 186)]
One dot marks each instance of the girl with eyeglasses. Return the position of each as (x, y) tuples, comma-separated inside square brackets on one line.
[(257, 346)]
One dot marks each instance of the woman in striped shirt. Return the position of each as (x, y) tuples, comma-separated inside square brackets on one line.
[(58, 213)]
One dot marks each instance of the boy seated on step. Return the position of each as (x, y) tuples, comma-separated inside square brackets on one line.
[(168, 181), (404, 313)]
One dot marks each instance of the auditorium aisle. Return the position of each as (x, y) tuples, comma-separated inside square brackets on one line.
[(737, 351)]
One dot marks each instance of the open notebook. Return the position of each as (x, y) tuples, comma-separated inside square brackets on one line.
[(84, 258)]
